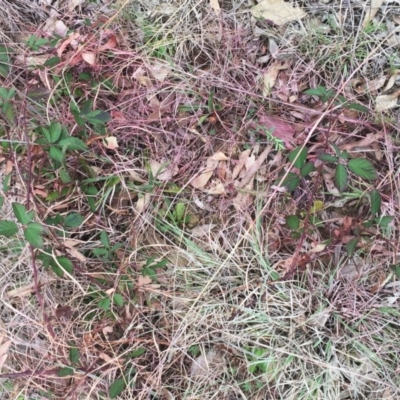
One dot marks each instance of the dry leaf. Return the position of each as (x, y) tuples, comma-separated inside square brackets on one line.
[(111, 142), (277, 11), (21, 291), (244, 155), (387, 101), (279, 128), (204, 364), (255, 167), (60, 28), (72, 4), (216, 7), (111, 42), (89, 57), (202, 230), (163, 172), (367, 141), (143, 280), (3, 353), (212, 163), (362, 87), (371, 11), (160, 71), (269, 77), (216, 188), (142, 203), (66, 42)]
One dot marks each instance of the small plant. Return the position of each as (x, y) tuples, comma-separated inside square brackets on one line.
[(34, 42)]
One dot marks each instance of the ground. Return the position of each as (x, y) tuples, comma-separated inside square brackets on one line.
[(199, 199)]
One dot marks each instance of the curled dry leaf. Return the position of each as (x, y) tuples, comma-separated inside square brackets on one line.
[(269, 77), (255, 167), (163, 172), (71, 38), (387, 101), (111, 142), (160, 71), (277, 11), (89, 57), (362, 86), (212, 163), (244, 155)]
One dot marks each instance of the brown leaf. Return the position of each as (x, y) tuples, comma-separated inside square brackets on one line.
[(66, 42), (280, 129)]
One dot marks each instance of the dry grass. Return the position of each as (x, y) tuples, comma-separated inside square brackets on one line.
[(216, 321)]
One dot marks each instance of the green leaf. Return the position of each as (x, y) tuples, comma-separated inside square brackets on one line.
[(8, 228), (118, 299), (180, 209), (363, 168), (6, 182), (138, 352), (74, 354), (33, 234), (65, 263), (307, 168), (328, 158), (1, 201), (321, 92), (291, 181), (55, 130), (73, 220), (383, 222), (116, 388), (351, 246), (104, 303), (337, 150), (376, 201), (159, 264), (357, 107), (23, 216), (368, 223), (72, 143), (293, 221), (52, 61), (396, 269), (345, 155), (298, 156), (104, 239), (341, 177), (64, 175), (56, 154), (66, 371), (97, 117)]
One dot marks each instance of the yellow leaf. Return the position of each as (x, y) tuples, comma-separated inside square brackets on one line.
[(277, 11)]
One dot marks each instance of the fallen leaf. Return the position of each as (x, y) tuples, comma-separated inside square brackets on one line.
[(160, 71), (142, 203), (89, 57), (205, 364), (279, 128), (111, 142), (72, 4), (244, 155), (202, 230), (111, 42), (3, 353), (371, 11), (66, 42), (143, 280), (216, 188), (212, 163), (367, 141), (163, 172), (387, 101), (361, 86), (60, 28), (269, 77), (255, 167), (277, 11), (21, 291), (216, 7)]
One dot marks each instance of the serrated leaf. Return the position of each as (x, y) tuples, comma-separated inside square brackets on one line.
[(351, 246), (66, 264), (104, 303), (298, 156), (341, 177), (116, 388), (104, 239), (345, 155), (73, 220), (383, 222), (66, 371), (376, 201), (23, 216), (33, 234), (55, 131), (328, 158), (363, 168), (293, 221), (8, 228), (56, 154), (291, 181), (74, 355), (118, 300), (72, 143), (307, 168)]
